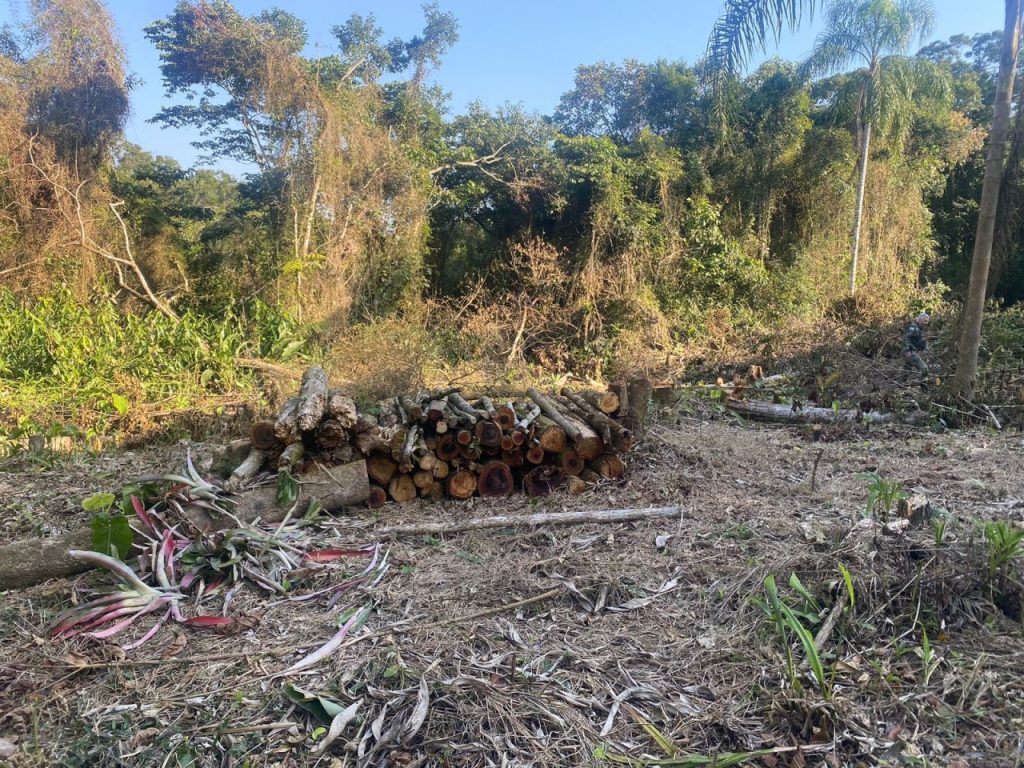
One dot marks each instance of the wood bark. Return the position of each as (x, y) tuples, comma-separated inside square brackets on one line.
[(342, 409), (506, 417), (781, 412), (570, 462), (227, 457), (539, 518), (331, 434), (287, 425), (637, 400), (586, 441), (312, 399), (247, 469), (619, 436), (488, 433)]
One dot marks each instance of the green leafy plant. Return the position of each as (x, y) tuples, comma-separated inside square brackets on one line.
[(1005, 544), (883, 496), (788, 623), (111, 532), (929, 660)]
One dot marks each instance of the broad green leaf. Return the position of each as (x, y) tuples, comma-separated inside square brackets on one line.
[(321, 707), (120, 404), (111, 535), (206, 377), (98, 502)]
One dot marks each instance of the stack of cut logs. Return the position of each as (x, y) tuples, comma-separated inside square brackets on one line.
[(439, 443)]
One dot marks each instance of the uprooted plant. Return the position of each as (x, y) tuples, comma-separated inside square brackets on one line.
[(176, 560)]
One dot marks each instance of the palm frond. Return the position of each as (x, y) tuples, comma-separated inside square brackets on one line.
[(746, 26)]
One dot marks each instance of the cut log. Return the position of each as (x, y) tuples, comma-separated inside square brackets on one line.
[(413, 410), (615, 433), (506, 417), (447, 447), (576, 485), (427, 461), (287, 425), (572, 409), (291, 457), (535, 454), (488, 433), (247, 469), (518, 437), (488, 406), (262, 435), (460, 404), (381, 468), (312, 399), (336, 488), (461, 484), (606, 402), (507, 443), (401, 488), (434, 491), (405, 457), (421, 478), (365, 422), (469, 452), (227, 457), (587, 443), (570, 462), (542, 480), (527, 420), (342, 408), (781, 412), (464, 437), (440, 470), (378, 497), (372, 442), (495, 480), (634, 415), (609, 466), (513, 458), (551, 436), (437, 410), (441, 427), (331, 434), (621, 390)]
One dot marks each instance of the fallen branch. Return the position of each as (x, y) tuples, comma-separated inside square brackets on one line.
[(782, 412), (540, 518)]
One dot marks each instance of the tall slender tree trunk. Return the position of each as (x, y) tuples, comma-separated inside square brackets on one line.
[(858, 218), (970, 332)]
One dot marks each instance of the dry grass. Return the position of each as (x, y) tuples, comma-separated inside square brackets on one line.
[(697, 666)]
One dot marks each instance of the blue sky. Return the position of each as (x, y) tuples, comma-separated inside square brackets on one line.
[(524, 51)]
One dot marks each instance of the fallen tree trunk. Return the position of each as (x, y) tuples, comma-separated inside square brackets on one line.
[(784, 413), (31, 561), (540, 518)]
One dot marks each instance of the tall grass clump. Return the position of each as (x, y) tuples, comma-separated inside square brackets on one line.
[(95, 367)]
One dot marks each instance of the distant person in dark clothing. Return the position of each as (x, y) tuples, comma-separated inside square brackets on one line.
[(914, 343)]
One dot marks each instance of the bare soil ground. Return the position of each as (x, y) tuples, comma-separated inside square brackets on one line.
[(643, 655)]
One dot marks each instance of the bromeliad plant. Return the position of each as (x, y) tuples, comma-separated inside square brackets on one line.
[(173, 565)]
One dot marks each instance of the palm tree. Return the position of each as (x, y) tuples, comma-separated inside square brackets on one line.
[(970, 330), (745, 26), (874, 33)]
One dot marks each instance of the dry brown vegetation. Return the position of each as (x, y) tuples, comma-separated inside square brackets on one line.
[(640, 650)]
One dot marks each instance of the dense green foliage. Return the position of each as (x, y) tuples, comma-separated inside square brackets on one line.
[(649, 212)]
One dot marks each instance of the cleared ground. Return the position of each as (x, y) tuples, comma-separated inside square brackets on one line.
[(640, 653)]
